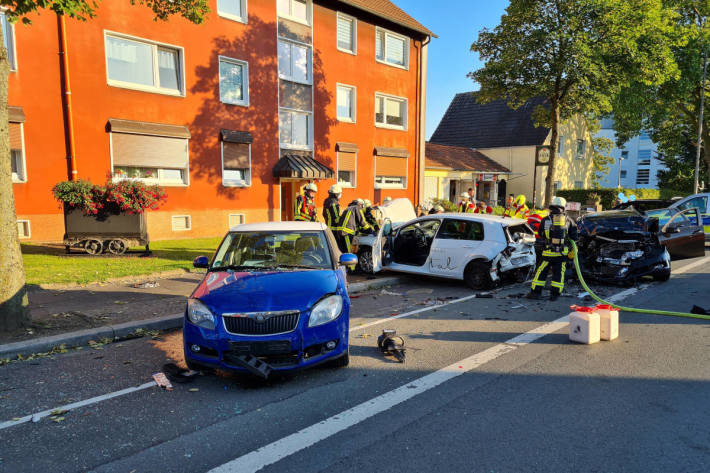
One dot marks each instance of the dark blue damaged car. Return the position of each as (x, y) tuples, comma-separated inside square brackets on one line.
[(274, 298)]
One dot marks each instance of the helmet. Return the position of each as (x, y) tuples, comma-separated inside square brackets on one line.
[(335, 189), (464, 195), (520, 200), (360, 202), (558, 202), (311, 187), (367, 203), (438, 208)]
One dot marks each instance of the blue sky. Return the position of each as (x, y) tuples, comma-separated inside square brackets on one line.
[(456, 23)]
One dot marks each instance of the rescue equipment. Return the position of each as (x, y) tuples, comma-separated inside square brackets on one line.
[(584, 326), (390, 344), (608, 320)]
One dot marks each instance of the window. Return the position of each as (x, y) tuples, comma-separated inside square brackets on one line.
[(461, 230), (391, 168), (696, 202), (181, 223), (144, 65), (8, 38), (236, 164), (581, 149), (624, 154), (578, 184), (294, 62), (644, 157), (23, 228), (390, 182), (557, 185), (390, 112), (642, 176), (236, 219), (295, 129), (644, 135), (623, 174), (391, 48), (347, 166), (345, 103), (297, 10), (17, 152), (233, 81), (233, 9), (347, 34), (561, 146)]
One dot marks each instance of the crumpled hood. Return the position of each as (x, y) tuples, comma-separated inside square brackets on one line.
[(615, 224), (225, 291)]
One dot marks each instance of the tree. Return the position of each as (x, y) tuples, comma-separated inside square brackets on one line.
[(669, 110), (575, 53), (681, 169), (13, 293)]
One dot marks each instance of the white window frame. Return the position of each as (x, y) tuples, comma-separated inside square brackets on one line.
[(556, 185), (156, 72), (584, 149), (404, 118), (13, 67), (353, 101), (384, 48), (29, 230), (354, 33), (309, 63), (243, 18), (23, 162), (245, 80), (243, 217), (185, 183), (309, 146), (289, 16), (232, 182), (349, 185), (172, 223), (390, 185)]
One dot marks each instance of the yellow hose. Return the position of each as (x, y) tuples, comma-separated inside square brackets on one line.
[(628, 309)]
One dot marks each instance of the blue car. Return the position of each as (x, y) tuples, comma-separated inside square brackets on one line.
[(274, 298)]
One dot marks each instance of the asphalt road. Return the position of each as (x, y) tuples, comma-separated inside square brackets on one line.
[(473, 395)]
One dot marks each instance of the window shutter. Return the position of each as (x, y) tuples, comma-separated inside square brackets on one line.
[(15, 136), (345, 33), (395, 50), (235, 156), (347, 161), (149, 151), (390, 166)]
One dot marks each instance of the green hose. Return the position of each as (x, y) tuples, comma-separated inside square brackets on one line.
[(627, 309)]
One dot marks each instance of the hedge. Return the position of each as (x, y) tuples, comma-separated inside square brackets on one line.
[(608, 196)]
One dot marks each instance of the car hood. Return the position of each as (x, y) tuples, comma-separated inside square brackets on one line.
[(397, 211), (224, 291), (616, 224)]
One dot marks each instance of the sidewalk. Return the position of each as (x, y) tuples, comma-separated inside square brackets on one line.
[(74, 315)]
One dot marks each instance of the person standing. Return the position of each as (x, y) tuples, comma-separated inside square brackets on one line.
[(555, 231), (370, 217), (521, 208), (466, 206), (482, 208), (331, 208), (509, 206), (305, 210), (352, 222)]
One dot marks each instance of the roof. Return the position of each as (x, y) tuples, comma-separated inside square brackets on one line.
[(279, 227), (470, 124), (389, 11), (301, 166), (505, 221), (458, 158)]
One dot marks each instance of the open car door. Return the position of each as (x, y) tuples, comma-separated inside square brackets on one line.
[(683, 235), (379, 244)]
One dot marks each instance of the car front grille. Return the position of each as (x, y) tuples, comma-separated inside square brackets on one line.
[(261, 323)]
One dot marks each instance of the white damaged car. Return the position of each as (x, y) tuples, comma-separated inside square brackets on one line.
[(476, 248)]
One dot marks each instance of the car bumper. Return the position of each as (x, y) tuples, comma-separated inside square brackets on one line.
[(301, 348), (618, 274)]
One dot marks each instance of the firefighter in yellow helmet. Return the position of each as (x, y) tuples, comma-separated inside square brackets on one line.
[(369, 216), (521, 209), (555, 230), (305, 209), (352, 222)]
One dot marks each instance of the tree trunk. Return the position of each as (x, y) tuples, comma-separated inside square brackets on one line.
[(706, 152), (14, 306), (549, 179)]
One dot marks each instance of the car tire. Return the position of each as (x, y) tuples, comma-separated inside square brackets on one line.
[(662, 276), (477, 275), (364, 261), (342, 361)]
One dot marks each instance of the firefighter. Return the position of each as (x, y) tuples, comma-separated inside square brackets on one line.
[(509, 206), (482, 208), (466, 206), (437, 209), (370, 217), (331, 208), (305, 209), (521, 209), (352, 222), (555, 231)]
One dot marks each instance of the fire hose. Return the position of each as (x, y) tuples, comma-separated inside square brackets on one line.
[(627, 309)]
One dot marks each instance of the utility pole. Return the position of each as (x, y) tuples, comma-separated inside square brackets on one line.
[(701, 23)]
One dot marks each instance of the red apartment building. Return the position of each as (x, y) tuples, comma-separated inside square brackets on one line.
[(232, 116)]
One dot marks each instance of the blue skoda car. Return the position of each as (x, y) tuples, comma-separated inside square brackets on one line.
[(274, 298)]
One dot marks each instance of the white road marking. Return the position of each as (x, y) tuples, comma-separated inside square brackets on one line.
[(75, 405), (693, 265)]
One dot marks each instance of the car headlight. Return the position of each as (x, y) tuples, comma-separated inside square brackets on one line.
[(326, 310), (199, 314)]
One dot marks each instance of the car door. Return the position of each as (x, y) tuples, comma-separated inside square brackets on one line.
[(455, 241), (412, 244), (701, 203), (683, 234), (380, 247)]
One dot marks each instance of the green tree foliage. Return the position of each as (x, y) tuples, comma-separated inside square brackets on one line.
[(669, 110), (576, 53), (681, 170)]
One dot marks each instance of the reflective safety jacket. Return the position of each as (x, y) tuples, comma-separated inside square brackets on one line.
[(521, 212), (466, 206), (509, 211), (331, 213), (353, 220), (370, 219), (305, 209), (555, 230), (489, 210)]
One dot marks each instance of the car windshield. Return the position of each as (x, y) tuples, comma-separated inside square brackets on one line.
[(663, 215), (259, 251)]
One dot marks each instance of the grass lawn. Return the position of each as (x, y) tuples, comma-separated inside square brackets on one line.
[(51, 265)]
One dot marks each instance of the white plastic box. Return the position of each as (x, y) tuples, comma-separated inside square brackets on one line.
[(584, 325), (609, 321)]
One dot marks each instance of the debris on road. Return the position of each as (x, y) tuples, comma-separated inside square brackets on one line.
[(699, 310), (162, 381), (385, 292), (390, 344), (484, 295), (177, 374), (147, 285)]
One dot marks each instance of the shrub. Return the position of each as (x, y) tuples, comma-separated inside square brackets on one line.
[(128, 196), (609, 196)]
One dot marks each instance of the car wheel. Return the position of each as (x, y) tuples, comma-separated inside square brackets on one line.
[(342, 361), (477, 275), (663, 275), (364, 261)]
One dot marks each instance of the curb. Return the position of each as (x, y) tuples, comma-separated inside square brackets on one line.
[(167, 322)]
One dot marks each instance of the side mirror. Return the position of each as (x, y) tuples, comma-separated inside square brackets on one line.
[(201, 262), (348, 259), (672, 229)]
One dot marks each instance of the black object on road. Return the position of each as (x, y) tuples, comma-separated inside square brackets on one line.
[(253, 364), (177, 374), (699, 310), (390, 344)]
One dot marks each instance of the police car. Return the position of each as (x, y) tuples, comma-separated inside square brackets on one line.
[(699, 201)]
